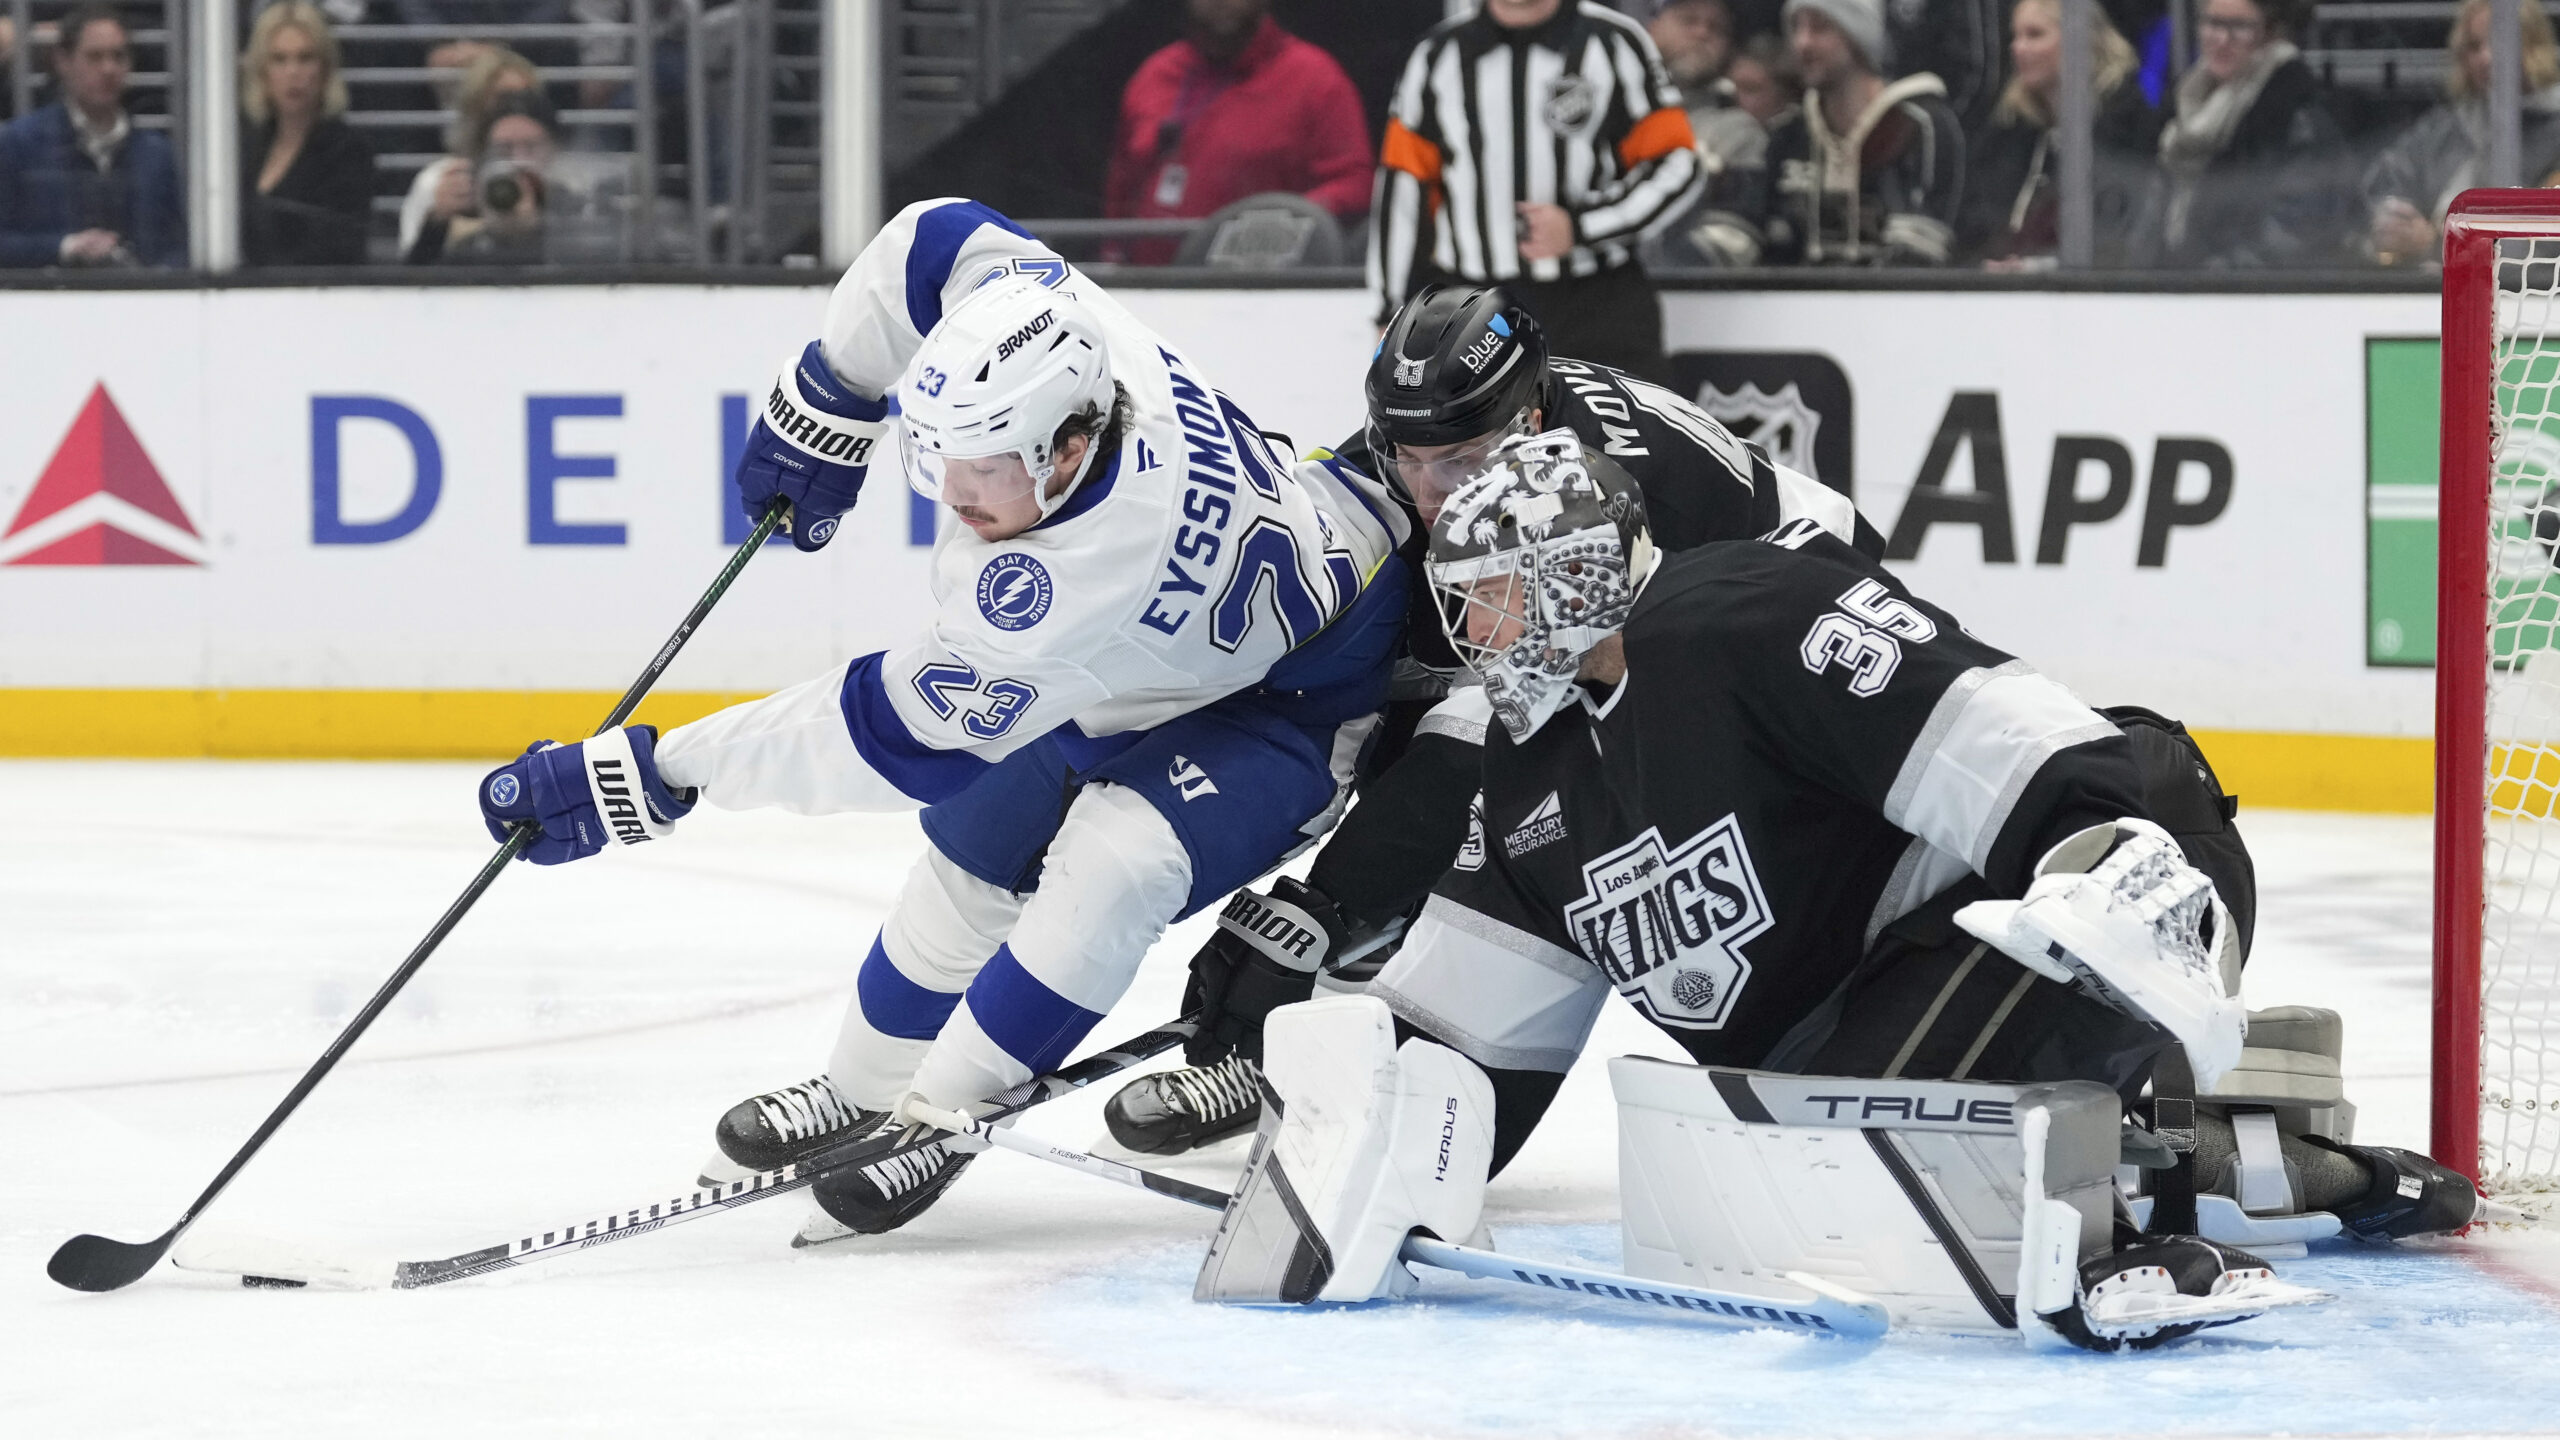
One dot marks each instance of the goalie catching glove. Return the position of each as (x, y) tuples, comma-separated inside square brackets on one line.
[(2117, 911), (597, 792), (812, 446)]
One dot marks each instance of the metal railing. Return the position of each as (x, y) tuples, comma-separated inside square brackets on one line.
[(634, 123)]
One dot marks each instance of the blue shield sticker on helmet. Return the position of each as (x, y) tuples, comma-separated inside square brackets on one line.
[(1014, 592)]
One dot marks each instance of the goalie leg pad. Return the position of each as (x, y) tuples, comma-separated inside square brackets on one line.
[(1915, 1193), (1361, 1143)]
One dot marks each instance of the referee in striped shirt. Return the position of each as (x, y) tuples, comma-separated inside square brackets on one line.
[(1531, 144)]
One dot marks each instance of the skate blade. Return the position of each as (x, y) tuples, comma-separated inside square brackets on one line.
[(2492, 1212), (822, 1229), (263, 1262), (720, 1170)]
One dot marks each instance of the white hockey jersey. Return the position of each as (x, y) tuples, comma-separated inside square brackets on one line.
[(1179, 574)]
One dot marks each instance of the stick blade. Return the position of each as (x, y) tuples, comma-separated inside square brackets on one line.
[(265, 1262), (97, 1264)]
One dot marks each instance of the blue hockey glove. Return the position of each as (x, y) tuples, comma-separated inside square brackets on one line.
[(812, 446), (584, 796)]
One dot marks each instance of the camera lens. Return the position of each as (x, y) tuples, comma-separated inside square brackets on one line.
[(502, 193)]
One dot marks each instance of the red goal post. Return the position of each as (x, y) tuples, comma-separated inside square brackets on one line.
[(2495, 1107)]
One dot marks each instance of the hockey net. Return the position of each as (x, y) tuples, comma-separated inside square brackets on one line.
[(2496, 1102)]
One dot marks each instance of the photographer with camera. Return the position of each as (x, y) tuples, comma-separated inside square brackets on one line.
[(510, 156)]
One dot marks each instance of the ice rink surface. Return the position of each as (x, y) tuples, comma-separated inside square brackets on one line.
[(178, 940)]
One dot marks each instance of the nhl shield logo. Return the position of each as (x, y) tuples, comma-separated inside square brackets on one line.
[(1783, 424), (1408, 373), (1571, 107)]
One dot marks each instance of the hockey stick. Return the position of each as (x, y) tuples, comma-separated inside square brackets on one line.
[(1826, 1309), (259, 1263), (94, 1262)]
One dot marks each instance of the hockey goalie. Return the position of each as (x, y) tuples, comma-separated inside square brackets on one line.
[(1909, 906)]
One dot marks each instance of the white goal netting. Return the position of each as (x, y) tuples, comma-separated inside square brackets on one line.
[(2520, 923)]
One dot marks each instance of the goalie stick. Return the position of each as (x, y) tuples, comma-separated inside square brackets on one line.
[(1825, 1309), (96, 1263), (261, 1263)]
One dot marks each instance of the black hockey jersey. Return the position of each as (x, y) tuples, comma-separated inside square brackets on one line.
[(1701, 483), (1801, 752)]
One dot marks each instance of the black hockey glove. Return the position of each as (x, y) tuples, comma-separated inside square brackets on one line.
[(1265, 955)]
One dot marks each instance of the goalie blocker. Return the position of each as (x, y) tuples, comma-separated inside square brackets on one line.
[(1960, 1206)]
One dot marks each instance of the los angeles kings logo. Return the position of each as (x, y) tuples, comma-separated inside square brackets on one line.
[(1668, 926)]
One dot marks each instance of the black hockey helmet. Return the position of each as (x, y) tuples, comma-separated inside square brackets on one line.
[(1458, 363)]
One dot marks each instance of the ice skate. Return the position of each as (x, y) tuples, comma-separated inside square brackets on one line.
[(777, 1128)]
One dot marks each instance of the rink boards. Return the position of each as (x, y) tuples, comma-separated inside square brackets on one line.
[(384, 522)]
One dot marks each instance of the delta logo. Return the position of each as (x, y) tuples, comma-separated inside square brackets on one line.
[(100, 501)]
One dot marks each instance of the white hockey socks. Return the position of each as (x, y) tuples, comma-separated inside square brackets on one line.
[(2118, 911), (1362, 1142)]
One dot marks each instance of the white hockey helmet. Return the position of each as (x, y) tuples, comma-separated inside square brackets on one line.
[(1005, 367), (1534, 562)]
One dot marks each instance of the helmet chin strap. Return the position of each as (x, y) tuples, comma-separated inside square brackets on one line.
[(1040, 488)]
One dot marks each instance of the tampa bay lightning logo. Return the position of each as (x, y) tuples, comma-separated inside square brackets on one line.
[(1014, 592), (504, 790)]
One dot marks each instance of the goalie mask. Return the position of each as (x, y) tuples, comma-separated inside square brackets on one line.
[(981, 402), (1533, 563)]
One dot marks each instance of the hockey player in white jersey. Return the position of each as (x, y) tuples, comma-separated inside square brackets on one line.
[(1157, 650)]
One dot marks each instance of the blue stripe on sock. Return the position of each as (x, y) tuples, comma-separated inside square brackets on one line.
[(1033, 1023), (896, 1005)]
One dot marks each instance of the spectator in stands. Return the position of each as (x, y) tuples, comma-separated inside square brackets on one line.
[(79, 184), (443, 190), (306, 175), (2012, 201), (2250, 157), (2413, 182), (1956, 40), (8, 53), (1236, 107), (1696, 41), (510, 197), (1868, 172), (1762, 76)]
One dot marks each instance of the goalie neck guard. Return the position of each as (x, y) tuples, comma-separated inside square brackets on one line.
[(994, 381), (1533, 563)]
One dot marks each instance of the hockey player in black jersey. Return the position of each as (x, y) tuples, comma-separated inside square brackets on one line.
[(1460, 369), (1806, 824)]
